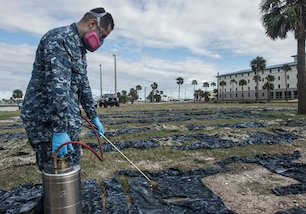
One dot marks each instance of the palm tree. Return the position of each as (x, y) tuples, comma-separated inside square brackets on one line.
[(205, 85), (123, 98), (197, 94), (258, 64), (257, 79), (179, 81), (269, 86), (154, 87), (194, 83), (132, 95), (241, 83), (213, 84), (206, 95), (232, 82), (162, 95), (222, 84), (138, 88), (279, 17), (17, 94), (286, 68)]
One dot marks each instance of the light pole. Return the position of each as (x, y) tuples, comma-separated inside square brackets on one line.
[(100, 81), (286, 93), (115, 73)]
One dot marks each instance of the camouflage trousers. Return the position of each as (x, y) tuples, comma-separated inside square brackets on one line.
[(44, 156)]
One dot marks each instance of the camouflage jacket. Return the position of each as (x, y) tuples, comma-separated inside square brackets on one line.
[(58, 86)]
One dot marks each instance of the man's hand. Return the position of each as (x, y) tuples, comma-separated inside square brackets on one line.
[(98, 125), (57, 140)]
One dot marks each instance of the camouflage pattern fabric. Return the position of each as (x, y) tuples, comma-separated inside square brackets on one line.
[(58, 85)]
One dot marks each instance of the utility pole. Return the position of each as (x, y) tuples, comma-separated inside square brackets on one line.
[(100, 81), (115, 74)]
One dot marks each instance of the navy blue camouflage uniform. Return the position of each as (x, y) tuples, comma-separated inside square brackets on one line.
[(58, 86)]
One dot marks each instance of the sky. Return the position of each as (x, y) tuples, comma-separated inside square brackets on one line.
[(153, 41)]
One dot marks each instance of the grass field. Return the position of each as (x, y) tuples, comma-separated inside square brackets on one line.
[(150, 159), (162, 157)]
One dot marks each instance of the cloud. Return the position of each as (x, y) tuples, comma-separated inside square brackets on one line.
[(154, 40)]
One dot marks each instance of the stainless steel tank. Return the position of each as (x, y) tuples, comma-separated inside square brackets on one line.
[(62, 190)]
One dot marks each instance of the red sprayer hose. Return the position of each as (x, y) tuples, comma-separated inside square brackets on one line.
[(100, 157), (153, 184), (95, 131), (74, 142)]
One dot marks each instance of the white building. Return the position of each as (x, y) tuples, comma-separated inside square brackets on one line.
[(233, 91)]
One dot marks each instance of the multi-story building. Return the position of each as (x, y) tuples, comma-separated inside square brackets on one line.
[(229, 88)]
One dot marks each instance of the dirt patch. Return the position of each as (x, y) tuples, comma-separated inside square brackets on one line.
[(247, 189)]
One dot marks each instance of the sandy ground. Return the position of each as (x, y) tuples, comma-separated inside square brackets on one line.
[(247, 189)]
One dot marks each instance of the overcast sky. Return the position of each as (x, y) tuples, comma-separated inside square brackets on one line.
[(153, 40)]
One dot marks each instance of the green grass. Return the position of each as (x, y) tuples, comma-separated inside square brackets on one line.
[(6, 115), (159, 158)]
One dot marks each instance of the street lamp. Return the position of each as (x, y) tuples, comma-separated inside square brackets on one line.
[(115, 73), (100, 80)]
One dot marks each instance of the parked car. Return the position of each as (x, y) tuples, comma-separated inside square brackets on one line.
[(108, 100)]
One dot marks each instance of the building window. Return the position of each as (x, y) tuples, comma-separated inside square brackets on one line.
[(288, 94), (295, 94), (279, 86), (278, 77), (278, 95)]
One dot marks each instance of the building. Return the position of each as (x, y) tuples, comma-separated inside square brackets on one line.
[(231, 90)]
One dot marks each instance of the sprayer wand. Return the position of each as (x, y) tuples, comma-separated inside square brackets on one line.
[(153, 184)]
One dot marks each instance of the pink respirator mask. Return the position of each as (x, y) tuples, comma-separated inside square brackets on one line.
[(92, 41)]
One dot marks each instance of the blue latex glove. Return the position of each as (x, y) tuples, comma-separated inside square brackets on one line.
[(98, 125), (57, 140)]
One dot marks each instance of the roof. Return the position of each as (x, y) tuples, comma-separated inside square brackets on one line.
[(267, 68)]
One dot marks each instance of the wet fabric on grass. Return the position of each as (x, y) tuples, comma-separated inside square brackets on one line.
[(178, 191)]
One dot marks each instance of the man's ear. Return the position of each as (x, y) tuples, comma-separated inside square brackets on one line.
[(92, 23)]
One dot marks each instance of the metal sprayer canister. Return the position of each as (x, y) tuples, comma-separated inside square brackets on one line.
[(62, 190)]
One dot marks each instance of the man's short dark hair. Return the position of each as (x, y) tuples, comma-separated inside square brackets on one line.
[(105, 20)]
